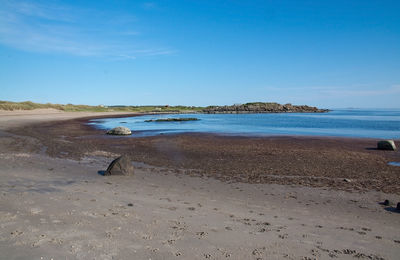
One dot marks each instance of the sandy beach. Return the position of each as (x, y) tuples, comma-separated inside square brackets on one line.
[(193, 196)]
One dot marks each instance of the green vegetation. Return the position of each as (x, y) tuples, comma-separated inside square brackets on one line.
[(28, 105), (172, 119), (254, 107)]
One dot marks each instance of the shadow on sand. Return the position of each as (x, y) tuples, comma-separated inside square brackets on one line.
[(392, 209)]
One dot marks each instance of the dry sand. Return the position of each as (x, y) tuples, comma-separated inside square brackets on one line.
[(52, 208), (10, 119)]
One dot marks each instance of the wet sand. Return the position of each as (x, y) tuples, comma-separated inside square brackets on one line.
[(307, 161), (192, 196)]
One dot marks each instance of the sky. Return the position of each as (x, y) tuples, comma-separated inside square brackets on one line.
[(330, 54)]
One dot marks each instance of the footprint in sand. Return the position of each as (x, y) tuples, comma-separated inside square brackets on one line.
[(201, 234), (36, 211), (284, 236), (16, 233)]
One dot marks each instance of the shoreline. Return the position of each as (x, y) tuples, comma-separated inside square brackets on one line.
[(142, 133), (319, 161), (55, 205)]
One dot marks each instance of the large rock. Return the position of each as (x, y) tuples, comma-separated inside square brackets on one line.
[(120, 130), (386, 145), (120, 166)]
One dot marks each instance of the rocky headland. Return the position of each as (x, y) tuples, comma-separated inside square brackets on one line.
[(173, 119), (262, 107)]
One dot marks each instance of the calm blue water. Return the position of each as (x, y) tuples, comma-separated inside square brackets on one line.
[(347, 123)]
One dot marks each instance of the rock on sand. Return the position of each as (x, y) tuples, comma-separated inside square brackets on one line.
[(120, 166), (120, 130), (386, 145)]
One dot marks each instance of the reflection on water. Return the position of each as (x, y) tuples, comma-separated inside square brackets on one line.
[(350, 123), (394, 163)]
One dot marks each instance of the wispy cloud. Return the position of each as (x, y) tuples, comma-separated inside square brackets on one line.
[(48, 11), (51, 28)]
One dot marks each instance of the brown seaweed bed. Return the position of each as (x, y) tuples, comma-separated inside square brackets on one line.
[(339, 163)]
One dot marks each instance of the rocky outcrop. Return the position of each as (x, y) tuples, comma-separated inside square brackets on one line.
[(261, 107), (120, 166), (386, 145), (173, 119), (120, 130)]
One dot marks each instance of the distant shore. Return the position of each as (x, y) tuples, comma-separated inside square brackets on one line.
[(262, 107), (253, 107)]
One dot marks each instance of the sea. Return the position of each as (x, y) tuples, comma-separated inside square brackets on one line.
[(360, 123)]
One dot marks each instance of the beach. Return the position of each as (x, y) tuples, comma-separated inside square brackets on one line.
[(193, 196)]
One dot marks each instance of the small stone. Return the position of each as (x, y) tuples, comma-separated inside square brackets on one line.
[(130, 204), (346, 180)]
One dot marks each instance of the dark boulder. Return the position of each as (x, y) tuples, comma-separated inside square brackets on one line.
[(120, 166), (386, 145)]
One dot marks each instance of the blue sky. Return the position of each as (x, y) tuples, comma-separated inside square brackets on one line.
[(197, 52)]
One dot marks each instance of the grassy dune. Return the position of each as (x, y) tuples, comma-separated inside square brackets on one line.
[(28, 105)]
